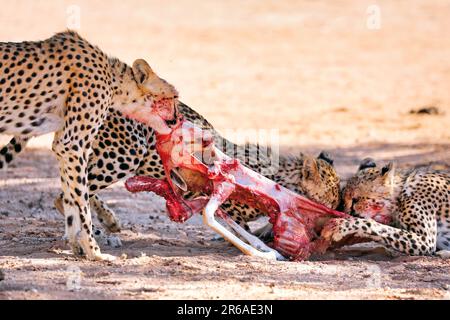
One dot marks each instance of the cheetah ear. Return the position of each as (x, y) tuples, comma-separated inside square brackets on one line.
[(310, 170), (387, 169), (367, 163), (387, 172), (326, 157), (142, 71)]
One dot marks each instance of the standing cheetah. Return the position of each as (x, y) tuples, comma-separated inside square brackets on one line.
[(67, 86), (406, 210), (125, 148)]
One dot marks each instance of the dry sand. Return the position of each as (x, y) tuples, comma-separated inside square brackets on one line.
[(311, 70)]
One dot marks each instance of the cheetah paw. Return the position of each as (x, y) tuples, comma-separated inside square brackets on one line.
[(331, 231)]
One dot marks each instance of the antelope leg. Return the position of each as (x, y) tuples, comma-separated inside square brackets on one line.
[(252, 240), (221, 193)]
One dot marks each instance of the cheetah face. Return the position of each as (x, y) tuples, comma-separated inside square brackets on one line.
[(149, 99), (158, 94), (319, 180), (368, 194)]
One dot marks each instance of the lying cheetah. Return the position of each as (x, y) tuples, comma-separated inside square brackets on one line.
[(67, 86), (125, 148), (406, 210)]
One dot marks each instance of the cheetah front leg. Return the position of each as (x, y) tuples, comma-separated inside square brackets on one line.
[(108, 220), (405, 241), (72, 146), (73, 172), (105, 215)]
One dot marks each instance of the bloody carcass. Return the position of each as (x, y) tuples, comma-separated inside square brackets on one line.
[(193, 163)]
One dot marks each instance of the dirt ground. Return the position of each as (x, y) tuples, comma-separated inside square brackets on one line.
[(313, 70)]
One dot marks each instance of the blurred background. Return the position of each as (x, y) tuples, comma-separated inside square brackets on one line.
[(326, 74)]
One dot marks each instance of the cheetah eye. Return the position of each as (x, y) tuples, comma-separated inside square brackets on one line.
[(352, 206)]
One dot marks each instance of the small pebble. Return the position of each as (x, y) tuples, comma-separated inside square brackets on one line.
[(426, 110)]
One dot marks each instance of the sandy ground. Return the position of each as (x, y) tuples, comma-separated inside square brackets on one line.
[(311, 70)]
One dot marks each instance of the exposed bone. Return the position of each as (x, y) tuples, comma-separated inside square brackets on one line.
[(220, 194), (296, 220), (252, 240)]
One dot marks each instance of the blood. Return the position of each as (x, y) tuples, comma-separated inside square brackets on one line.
[(165, 108), (179, 209), (296, 220)]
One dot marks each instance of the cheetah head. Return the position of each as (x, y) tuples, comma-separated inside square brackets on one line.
[(369, 193), (152, 86), (147, 98), (319, 180)]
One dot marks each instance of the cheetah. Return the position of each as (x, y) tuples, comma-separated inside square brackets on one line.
[(66, 85), (124, 148), (407, 210)]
